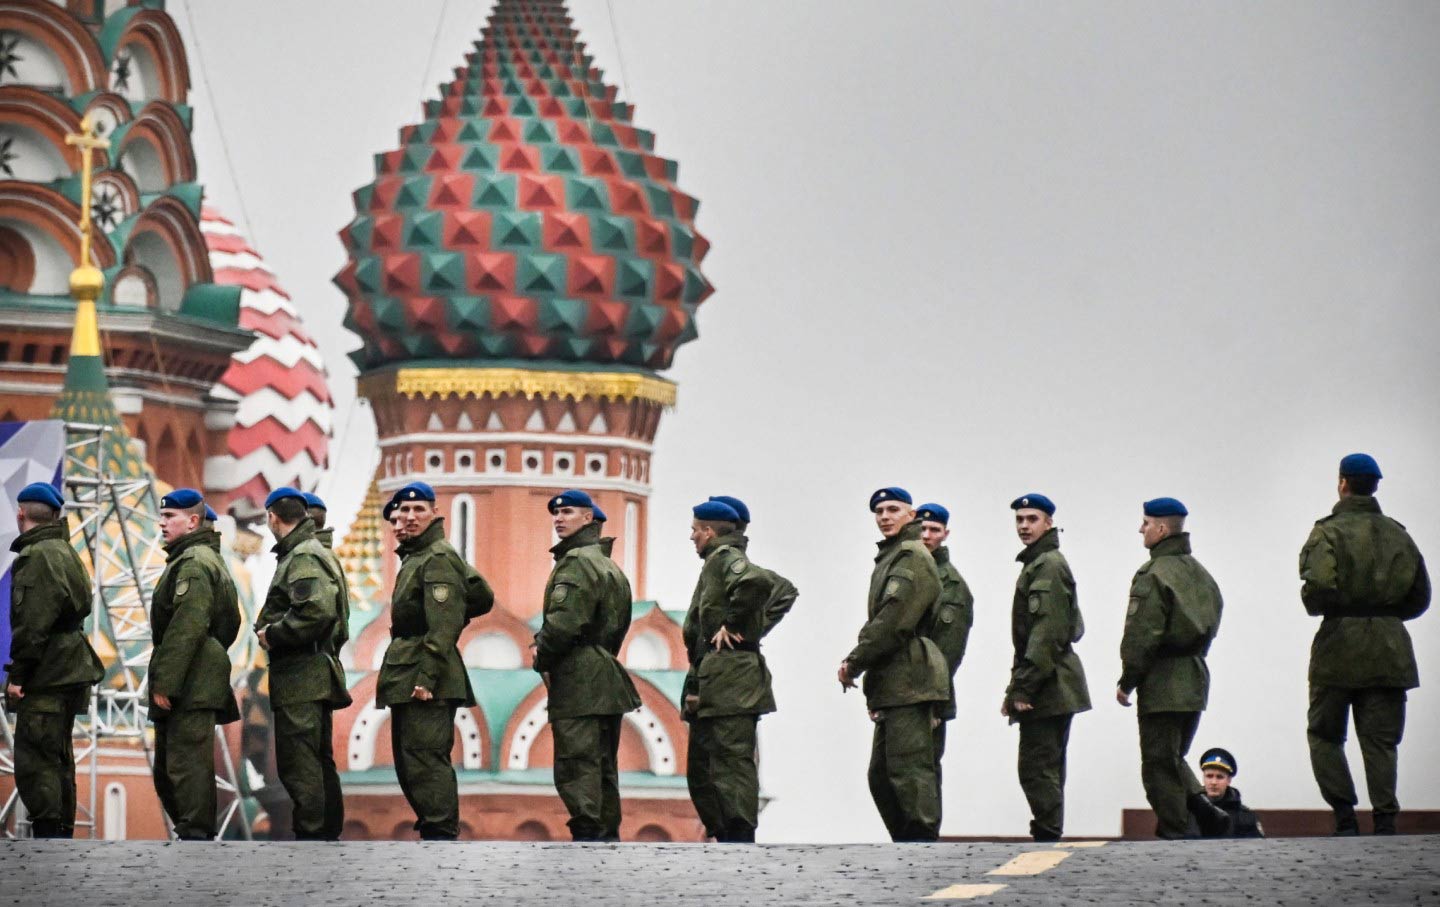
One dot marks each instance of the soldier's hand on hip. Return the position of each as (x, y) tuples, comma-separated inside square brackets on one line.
[(1020, 705), (14, 692), (874, 715), (162, 701), (422, 694), (1122, 697), (692, 704), (724, 639)]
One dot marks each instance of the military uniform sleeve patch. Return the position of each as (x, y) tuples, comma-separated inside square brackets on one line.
[(892, 587), (1134, 606), (738, 567), (559, 593), (440, 592), (182, 587), (302, 589)]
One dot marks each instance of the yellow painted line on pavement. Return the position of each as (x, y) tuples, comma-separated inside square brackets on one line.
[(1032, 862), (1082, 844), (963, 892)]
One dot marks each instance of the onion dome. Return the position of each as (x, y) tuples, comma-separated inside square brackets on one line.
[(285, 414), (526, 218)]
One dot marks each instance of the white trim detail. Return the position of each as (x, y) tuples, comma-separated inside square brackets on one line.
[(514, 437), (363, 734), (658, 745), (525, 736), (472, 745)]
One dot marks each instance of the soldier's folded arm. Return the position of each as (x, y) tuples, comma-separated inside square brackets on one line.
[(187, 631), (1417, 602), (565, 616), (312, 612), (891, 627), (1145, 620), (745, 595), (783, 596), (444, 619), (477, 590), (1049, 635)]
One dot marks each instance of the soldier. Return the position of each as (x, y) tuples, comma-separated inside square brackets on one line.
[(1047, 682), (906, 679), (317, 511), (297, 627), (586, 616), (52, 666), (728, 687), (423, 679), (782, 595), (194, 619), (948, 624), (1172, 618), (1363, 574), (1217, 767)]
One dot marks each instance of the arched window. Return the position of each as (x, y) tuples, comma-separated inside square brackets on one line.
[(647, 651), (493, 650), (632, 541), (115, 812), (462, 526)]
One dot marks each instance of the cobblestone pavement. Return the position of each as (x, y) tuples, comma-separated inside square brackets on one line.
[(1315, 871)]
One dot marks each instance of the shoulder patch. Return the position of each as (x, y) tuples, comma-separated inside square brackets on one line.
[(739, 566), (1034, 604), (559, 594), (182, 587), (440, 592), (892, 586), (1133, 607)]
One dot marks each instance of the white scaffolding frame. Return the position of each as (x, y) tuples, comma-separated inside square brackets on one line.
[(122, 536)]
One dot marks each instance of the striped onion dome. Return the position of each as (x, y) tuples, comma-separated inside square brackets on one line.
[(285, 418)]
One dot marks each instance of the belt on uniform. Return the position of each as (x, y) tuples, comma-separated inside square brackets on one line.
[(738, 647)]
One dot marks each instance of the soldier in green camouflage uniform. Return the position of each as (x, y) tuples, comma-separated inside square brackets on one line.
[(52, 666), (948, 623), (319, 513), (423, 679), (1047, 682), (586, 616), (1364, 575), (296, 626), (906, 678), (1172, 618), (194, 619), (728, 687)]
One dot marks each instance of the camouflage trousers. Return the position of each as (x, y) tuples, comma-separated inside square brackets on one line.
[(185, 772), (723, 777), (305, 761), (1041, 767), (1379, 724), (903, 780), (45, 765), (587, 776), (1165, 738), (421, 737)]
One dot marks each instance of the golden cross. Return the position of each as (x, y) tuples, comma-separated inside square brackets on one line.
[(87, 141)]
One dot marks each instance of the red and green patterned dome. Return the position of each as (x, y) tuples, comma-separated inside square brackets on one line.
[(525, 219)]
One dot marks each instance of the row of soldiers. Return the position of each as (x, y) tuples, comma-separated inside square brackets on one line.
[(1360, 570)]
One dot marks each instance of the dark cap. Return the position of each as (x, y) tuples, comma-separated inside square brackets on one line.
[(182, 499), (41, 493), (1221, 759), (893, 493), (1165, 507), (1034, 501), (1359, 464), (932, 513)]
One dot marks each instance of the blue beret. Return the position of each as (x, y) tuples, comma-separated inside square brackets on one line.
[(416, 491), (570, 497), (210, 513), (313, 500), (389, 509), (716, 510), (1034, 501), (736, 505), (1359, 464), (934, 513), (600, 516), (1221, 759), (1165, 507), (890, 494), (281, 493), (41, 493), (182, 499)]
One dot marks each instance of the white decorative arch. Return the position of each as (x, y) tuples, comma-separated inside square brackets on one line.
[(659, 746), (363, 734), (31, 156), (35, 65), (496, 651), (462, 526)]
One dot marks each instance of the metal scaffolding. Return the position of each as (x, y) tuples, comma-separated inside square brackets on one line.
[(115, 520)]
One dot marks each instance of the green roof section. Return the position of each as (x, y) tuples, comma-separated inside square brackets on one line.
[(213, 302), (499, 692)]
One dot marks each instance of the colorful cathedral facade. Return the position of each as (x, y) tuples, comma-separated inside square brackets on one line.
[(519, 273)]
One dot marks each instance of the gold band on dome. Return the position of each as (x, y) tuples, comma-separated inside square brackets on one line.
[(498, 382)]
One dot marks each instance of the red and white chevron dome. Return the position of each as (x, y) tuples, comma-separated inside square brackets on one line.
[(285, 418)]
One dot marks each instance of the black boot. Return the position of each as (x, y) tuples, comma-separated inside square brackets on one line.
[(1384, 823), (46, 828), (1214, 822), (1345, 824)]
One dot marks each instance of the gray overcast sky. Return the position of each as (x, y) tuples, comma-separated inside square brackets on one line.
[(1106, 251)]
